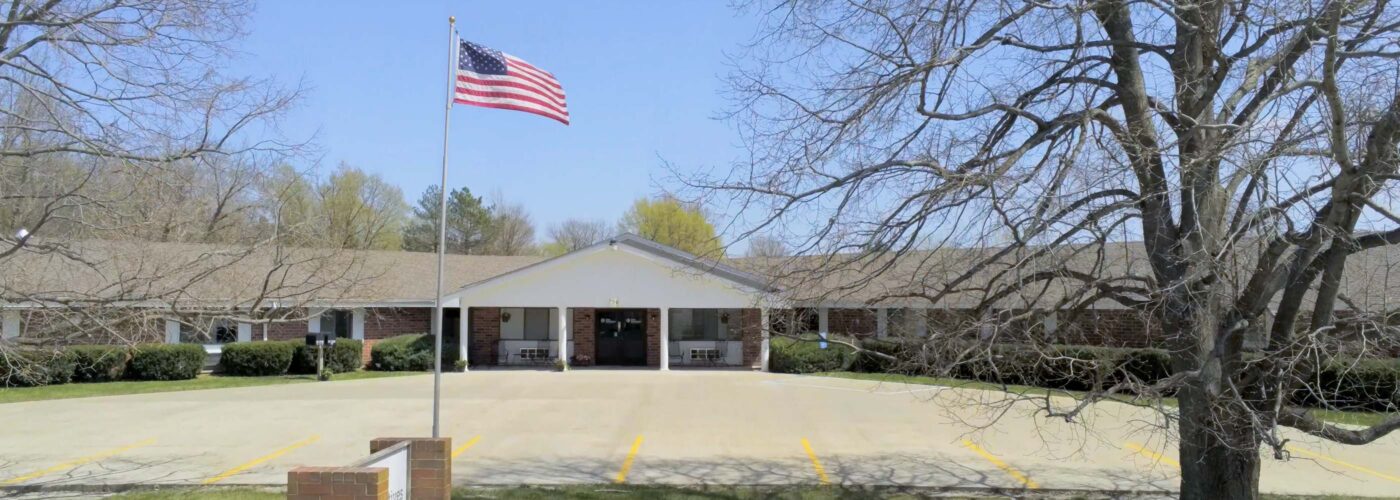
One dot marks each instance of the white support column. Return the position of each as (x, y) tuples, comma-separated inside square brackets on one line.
[(764, 349), (464, 329), (172, 331), (665, 339), (357, 324), (563, 335), (921, 317), (882, 322), (823, 322), (433, 320), (10, 329), (313, 320)]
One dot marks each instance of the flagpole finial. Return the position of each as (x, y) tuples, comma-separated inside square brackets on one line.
[(452, 19)]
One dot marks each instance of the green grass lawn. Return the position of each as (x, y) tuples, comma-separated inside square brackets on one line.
[(626, 492), (1338, 417), (67, 391)]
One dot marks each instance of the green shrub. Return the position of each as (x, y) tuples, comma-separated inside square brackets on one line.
[(20, 367), (806, 356), (166, 362), (402, 353), (1146, 365), (98, 363), (256, 359), (407, 353), (347, 356), (870, 363), (1368, 384)]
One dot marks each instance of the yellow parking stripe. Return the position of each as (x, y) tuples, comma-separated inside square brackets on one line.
[(1005, 467), (627, 464), (283, 451), (461, 449), (816, 462), (77, 462), (1156, 457), (1325, 458)]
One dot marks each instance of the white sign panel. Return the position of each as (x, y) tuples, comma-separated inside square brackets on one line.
[(397, 463)]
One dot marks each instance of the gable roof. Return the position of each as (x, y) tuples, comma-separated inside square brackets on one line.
[(671, 258)]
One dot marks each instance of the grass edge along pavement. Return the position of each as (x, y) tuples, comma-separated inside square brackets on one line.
[(1336, 417), (203, 382), (663, 492)]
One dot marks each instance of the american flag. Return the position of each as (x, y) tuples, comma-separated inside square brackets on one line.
[(490, 78)]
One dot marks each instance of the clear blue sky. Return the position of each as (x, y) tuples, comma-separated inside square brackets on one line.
[(642, 77)]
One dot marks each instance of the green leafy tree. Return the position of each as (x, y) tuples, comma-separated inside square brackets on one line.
[(361, 210), (469, 223), (670, 222)]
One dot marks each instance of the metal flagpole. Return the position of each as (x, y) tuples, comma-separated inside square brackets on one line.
[(442, 222)]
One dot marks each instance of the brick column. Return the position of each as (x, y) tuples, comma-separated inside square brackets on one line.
[(751, 336), (584, 335), (653, 337), (429, 466), (327, 483), (485, 335)]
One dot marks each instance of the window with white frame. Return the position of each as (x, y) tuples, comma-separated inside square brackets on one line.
[(704, 324), (338, 322), (215, 331), (536, 323)]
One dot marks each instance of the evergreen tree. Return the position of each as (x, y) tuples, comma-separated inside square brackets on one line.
[(469, 223)]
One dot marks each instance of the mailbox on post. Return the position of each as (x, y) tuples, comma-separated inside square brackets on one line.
[(321, 341)]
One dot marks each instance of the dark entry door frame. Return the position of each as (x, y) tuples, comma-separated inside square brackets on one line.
[(622, 336)]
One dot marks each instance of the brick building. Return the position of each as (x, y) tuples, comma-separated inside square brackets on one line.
[(626, 301)]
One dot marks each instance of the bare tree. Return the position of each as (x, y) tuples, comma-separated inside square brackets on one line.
[(123, 143), (1223, 168), (767, 246), (573, 234), (512, 231)]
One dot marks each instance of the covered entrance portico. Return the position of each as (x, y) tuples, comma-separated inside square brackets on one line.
[(662, 306)]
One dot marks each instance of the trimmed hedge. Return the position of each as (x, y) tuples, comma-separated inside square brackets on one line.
[(1369, 384), (34, 367), (256, 359), (407, 353), (347, 356), (98, 363), (166, 362), (806, 356), (1068, 367)]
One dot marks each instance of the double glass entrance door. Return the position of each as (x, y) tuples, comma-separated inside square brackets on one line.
[(622, 337)]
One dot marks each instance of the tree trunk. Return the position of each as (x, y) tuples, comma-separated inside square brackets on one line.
[(1219, 452)]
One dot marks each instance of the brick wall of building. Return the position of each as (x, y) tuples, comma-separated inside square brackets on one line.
[(653, 324), (857, 322), (751, 336), (76, 327), (485, 323), (585, 337), (1108, 327), (385, 322), (284, 330)]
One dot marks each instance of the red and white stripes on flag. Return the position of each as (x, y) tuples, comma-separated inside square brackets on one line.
[(490, 78)]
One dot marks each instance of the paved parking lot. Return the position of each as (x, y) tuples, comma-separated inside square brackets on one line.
[(595, 426)]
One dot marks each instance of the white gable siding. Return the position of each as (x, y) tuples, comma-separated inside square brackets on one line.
[(605, 276)]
